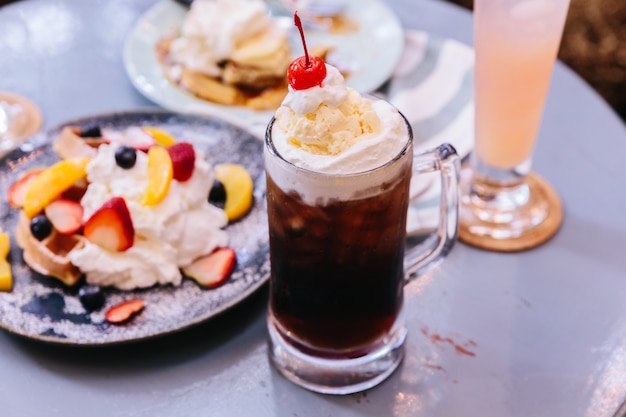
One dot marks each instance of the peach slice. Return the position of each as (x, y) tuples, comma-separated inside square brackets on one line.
[(160, 174), (239, 186)]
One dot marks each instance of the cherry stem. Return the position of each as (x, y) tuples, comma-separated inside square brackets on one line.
[(298, 23)]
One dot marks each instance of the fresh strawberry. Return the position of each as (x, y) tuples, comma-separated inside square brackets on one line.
[(65, 215), (214, 269), (183, 160), (17, 191), (133, 136), (111, 226), (122, 312)]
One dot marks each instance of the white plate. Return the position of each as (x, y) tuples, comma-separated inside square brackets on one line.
[(371, 53)]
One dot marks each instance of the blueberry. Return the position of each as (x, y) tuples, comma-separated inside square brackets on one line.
[(91, 297), (125, 156), (40, 227), (90, 131), (217, 196)]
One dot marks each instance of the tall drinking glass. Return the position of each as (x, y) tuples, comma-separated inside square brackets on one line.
[(339, 264), (505, 206)]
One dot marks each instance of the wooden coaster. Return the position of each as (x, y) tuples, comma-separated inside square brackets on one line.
[(27, 122), (535, 237)]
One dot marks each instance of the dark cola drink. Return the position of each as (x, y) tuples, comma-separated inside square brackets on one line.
[(337, 265), (337, 230)]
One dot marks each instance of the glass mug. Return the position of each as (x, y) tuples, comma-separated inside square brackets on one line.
[(339, 264)]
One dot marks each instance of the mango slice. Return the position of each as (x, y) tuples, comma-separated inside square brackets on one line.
[(6, 277), (161, 137), (52, 182)]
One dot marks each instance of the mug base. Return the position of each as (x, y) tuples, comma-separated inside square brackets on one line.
[(335, 376)]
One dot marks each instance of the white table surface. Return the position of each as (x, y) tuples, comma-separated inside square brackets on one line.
[(546, 329)]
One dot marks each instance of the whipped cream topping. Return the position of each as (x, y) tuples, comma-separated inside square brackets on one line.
[(333, 129), (332, 92), (168, 236), (216, 30)]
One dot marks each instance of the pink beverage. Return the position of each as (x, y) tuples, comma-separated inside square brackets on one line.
[(516, 43)]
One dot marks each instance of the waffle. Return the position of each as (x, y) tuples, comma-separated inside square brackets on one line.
[(240, 84), (69, 144), (49, 256)]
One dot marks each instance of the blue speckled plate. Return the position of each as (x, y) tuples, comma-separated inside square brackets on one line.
[(41, 308)]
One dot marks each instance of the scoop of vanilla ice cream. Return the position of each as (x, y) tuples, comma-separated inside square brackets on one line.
[(216, 30), (168, 236), (333, 129)]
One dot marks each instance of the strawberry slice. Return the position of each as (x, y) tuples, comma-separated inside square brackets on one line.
[(183, 159), (17, 191), (214, 269), (65, 215), (111, 226), (122, 312)]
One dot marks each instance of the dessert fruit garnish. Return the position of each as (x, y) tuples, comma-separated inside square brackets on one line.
[(91, 297), (238, 187), (6, 277), (212, 270), (160, 174), (125, 156), (305, 71), (122, 312), (40, 227), (217, 195), (183, 159), (17, 190), (65, 215), (90, 131), (160, 136), (52, 182), (111, 226), (128, 216)]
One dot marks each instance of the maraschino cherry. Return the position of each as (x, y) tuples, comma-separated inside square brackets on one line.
[(306, 71)]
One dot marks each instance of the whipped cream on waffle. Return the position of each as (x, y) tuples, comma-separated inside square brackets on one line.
[(215, 31), (168, 235)]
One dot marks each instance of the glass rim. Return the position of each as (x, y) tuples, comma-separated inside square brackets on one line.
[(269, 145)]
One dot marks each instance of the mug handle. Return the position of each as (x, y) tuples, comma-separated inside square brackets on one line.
[(433, 250)]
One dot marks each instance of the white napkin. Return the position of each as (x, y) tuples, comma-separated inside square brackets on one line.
[(433, 87)]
